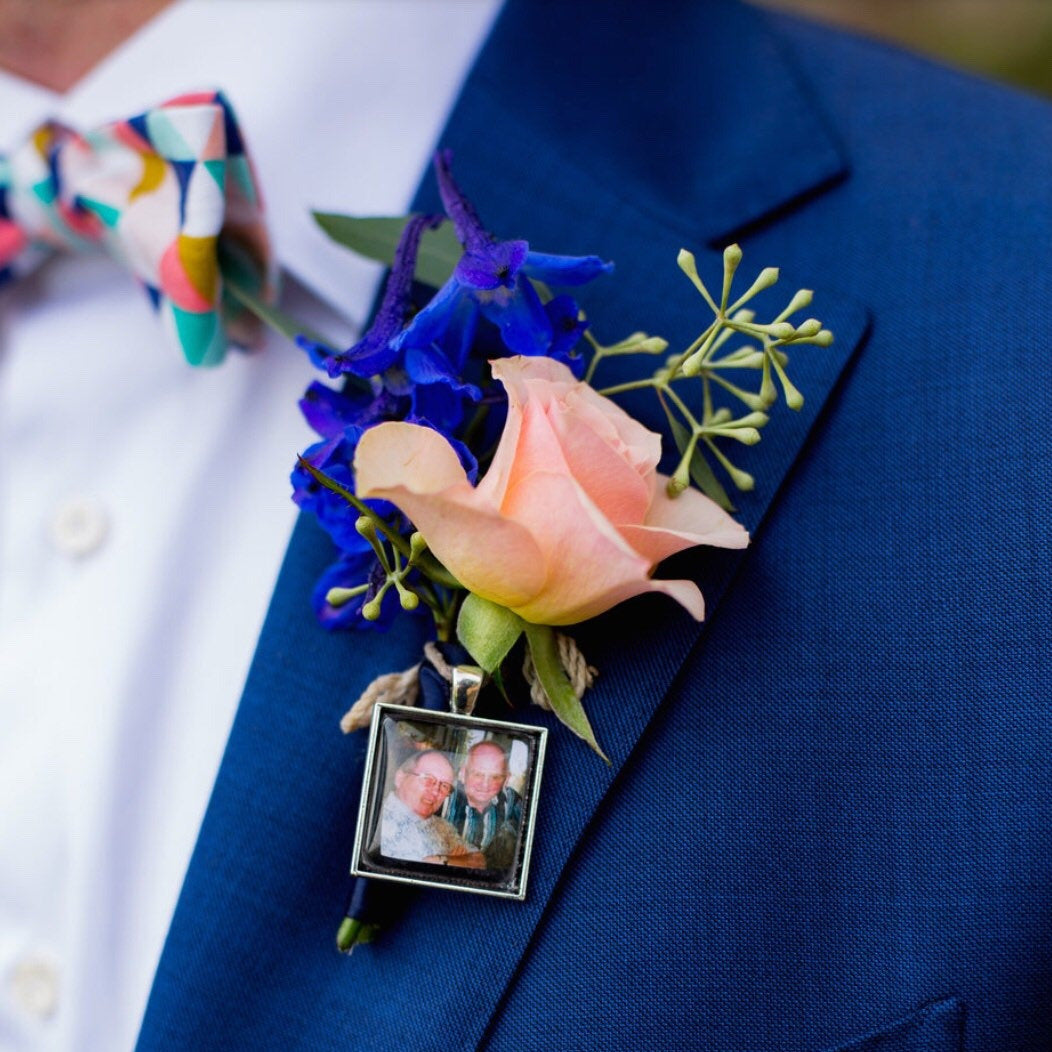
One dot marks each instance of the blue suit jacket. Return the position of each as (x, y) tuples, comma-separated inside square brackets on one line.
[(827, 823)]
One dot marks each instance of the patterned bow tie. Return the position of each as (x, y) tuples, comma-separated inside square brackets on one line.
[(170, 193)]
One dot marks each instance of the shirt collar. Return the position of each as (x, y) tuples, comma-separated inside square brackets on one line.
[(340, 104), (23, 106)]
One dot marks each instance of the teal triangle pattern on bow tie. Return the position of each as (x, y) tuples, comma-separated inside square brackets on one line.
[(170, 194)]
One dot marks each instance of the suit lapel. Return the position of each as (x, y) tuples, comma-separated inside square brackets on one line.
[(545, 151)]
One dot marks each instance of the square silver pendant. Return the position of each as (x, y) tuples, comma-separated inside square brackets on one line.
[(449, 801)]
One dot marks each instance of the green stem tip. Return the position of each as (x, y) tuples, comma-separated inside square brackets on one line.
[(353, 933)]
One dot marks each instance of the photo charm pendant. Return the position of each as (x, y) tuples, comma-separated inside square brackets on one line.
[(448, 800)]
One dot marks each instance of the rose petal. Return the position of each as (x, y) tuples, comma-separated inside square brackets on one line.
[(537, 449), (495, 483), (686, 593), (639, 446), (576, 407), (598, 461), (588, 566), (416, 469), (674, 524), (512, 372), (395, 453)]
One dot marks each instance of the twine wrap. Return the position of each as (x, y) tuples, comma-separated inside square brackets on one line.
[(393, 688)]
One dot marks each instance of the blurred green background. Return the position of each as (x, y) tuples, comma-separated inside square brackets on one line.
[(1010, 40)]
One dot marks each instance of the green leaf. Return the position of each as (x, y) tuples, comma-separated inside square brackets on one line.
[(376, 237), (498, 682), (487, 631), (700, 470), (565, 703)]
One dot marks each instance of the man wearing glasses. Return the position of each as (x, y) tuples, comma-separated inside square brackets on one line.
[(410, 827)]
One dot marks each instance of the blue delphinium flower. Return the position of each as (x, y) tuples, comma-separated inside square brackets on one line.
[(330, 412), (373, 353), (341, 419), (333, 457), (429, 376), (492, 278), (567, 329), (428, 373)]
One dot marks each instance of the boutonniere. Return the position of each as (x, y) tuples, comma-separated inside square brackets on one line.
[(474, 470)]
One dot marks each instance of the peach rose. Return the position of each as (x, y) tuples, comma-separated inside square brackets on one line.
[(572, 515)]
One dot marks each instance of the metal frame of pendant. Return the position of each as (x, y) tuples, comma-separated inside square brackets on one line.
[(368, 860)]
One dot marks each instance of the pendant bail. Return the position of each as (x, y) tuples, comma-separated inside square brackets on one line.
[(467, 682)]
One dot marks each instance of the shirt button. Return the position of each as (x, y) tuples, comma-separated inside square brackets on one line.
[(33, 983), (79, 527)]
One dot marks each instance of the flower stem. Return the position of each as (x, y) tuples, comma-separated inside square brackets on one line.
[(396, 539), (666, 388), (634, 385)]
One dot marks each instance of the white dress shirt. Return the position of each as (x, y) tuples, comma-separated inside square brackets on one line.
[(144, 505)]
